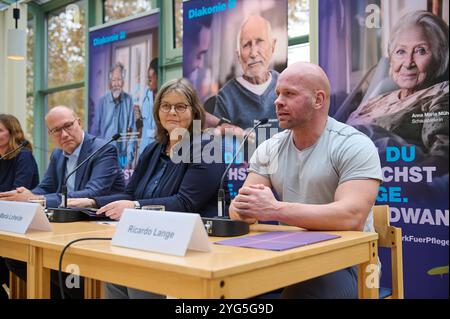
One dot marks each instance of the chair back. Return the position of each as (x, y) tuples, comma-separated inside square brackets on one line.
[(390, 237)]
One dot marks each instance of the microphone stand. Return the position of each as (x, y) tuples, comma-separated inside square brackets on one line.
[(223, 226), (221, 192)]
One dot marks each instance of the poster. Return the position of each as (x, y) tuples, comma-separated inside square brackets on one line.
[(226, 46), (119, 97), (389, 78)]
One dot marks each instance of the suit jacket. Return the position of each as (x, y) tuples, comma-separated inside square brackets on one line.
[(101, 175), (184, 187)]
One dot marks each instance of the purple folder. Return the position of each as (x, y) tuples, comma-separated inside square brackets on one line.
[(279, 240)]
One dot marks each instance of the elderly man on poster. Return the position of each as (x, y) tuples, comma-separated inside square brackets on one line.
[(251, 96), (115, 114)]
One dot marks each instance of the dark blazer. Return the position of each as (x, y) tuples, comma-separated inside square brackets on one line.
[(19, 171), (101, 175), (184, 187)]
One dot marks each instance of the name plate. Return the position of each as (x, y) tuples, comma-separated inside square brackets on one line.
[(162, 232), (18, 217)]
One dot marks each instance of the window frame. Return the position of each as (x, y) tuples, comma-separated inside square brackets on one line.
[(153, 3), (39, 14), (312, 37), (171, 61)]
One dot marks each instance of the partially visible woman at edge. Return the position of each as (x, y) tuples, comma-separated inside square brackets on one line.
[(16, 169), (19, 168)]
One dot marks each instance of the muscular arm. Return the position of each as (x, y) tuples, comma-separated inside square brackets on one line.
[(352, 203)]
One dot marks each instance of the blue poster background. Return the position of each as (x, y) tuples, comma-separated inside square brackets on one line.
[(134, 44), (210, 61), (415, 181)]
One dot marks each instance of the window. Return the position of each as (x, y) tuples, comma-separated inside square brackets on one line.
[(298, 31), (30, 80), (66, 45), (178, 23), (71, 98), (299, 52), (118, 9), (30, 117), (66, 59), (298, 18)]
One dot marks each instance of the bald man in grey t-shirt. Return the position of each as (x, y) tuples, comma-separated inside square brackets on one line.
[(312, 175), (326, 174)]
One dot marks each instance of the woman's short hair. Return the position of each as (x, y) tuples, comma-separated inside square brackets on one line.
[(185, 88), (16, 135), (436, 31)]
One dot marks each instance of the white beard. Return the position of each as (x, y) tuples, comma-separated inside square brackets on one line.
[(116, 94)]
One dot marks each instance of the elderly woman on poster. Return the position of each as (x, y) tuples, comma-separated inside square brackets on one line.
[(416, 113)]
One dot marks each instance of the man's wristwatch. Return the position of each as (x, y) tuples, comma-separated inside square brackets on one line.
[(223, 120), (137, 205)]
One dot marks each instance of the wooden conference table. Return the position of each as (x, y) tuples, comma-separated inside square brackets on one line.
[(19, 247), (226, 272)]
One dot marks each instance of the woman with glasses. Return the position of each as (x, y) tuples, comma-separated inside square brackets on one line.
[(17, 168), (171, 170)]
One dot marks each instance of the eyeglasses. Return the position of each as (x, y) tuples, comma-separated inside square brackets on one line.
[(179, 108), (66, 127)]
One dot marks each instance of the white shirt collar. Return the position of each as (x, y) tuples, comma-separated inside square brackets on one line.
[(257, 89)]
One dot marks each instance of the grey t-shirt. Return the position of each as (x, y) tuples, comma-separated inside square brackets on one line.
[(311, 176)]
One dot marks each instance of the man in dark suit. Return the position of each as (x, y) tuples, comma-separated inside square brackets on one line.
[(99, 176)]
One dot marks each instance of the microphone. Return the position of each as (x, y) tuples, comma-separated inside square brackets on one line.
[(223, 226), (221, 192), (64, 185), (22, 145)]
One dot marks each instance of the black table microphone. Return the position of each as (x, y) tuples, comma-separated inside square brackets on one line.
[(223, 226), (64, 214), (22, 145)]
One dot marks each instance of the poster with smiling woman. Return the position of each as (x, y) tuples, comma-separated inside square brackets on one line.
[(389, 74)]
